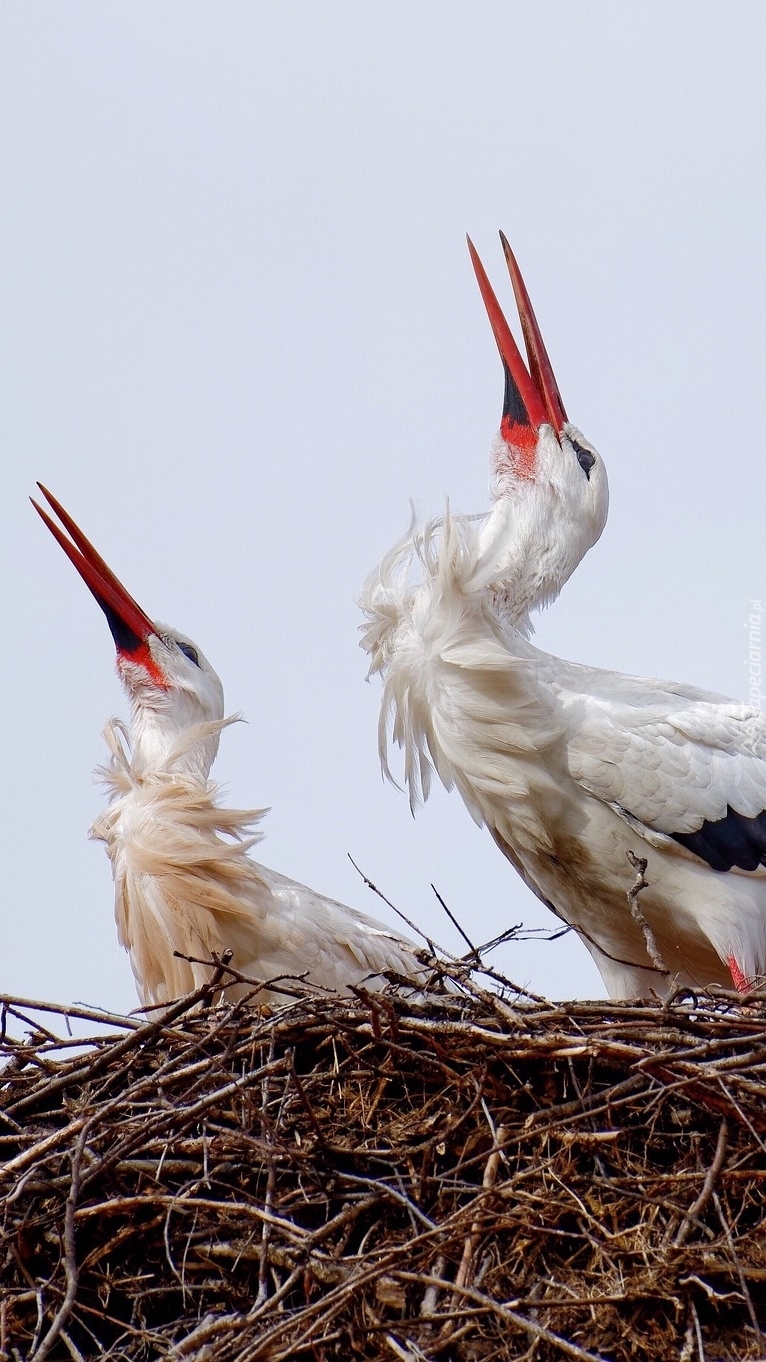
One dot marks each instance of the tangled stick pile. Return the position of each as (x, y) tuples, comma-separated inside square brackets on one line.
[(464, 1176)]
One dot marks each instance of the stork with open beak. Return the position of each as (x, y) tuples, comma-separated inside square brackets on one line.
[(568, 766), (184, 882)]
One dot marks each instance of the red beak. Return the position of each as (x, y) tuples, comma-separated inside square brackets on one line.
[(130, 627), (532, 397)]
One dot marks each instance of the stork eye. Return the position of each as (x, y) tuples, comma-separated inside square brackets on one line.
[(584, 458), (188, 651)]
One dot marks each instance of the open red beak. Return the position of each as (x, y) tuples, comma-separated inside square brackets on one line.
[(130, 627), (532, 397)]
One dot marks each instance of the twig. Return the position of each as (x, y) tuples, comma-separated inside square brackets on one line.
[(505, 1312), (463, 1276), (711, 1177), (742, 1278), (639, 865), (263, 1265), (433, 949), (473, 952), (70, 1258), (91, 1014)]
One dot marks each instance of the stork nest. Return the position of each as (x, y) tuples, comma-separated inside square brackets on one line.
[(466, 1175)]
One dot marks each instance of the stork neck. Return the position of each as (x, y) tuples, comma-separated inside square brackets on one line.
[(508, 566), (164, 740)]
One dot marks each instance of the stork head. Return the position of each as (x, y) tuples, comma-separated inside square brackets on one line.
[(549, 483), (171, 685)]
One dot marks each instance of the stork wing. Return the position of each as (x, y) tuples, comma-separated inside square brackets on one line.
[(334, 945), (678, 763)]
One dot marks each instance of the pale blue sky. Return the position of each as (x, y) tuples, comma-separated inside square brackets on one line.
[(240, 330)]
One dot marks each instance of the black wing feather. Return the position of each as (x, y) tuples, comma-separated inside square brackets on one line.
[(730, 841)]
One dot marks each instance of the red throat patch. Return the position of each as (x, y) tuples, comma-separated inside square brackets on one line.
[(142, 657), (523, 442)]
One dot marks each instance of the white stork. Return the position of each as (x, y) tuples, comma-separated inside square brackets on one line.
[(184, 881), (570, 767)]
